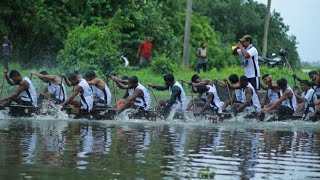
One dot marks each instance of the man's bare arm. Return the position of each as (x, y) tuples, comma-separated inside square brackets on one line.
[(11, 83), (76, 91), (248, 94), (287, 94), (22, 87), (208, 102), (129, 99)]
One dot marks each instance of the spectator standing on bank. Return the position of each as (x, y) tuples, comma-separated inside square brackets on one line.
[(202, 54), (6, 51), (144, 53), (250, 63)]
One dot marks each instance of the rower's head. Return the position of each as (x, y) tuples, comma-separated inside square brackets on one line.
[(45, 80), (133, 82), (313, 75), (305, 85), (233, 78), (168, 79), (282, 83), (90, 75), (200, 88), (15, 76), (267, 78), (195, 78), (73, 78), (243, 81)]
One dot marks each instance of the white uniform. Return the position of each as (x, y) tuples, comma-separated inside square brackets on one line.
[(57, 91), (255, 100), (29, 95), (252, 68), (238, 93), (291, 103), (181, 101), (273, 96), (144, 102), (86, 96), (103, 94), (216, 100), (308, 96)]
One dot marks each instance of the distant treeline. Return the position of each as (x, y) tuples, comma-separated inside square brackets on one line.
[(91, 33)]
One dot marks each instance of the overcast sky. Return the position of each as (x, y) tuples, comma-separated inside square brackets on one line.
[(302, 16)]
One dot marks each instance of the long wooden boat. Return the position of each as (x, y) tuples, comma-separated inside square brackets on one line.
[(153, 115)]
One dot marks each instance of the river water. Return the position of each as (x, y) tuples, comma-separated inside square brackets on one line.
[(60, 148)]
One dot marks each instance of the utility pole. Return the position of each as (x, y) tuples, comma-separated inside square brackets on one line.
[(266, 29), (185, 59)]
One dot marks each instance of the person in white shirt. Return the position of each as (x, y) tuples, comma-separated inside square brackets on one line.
[(82, 89), (249, 97), (249, 60), (307, 96), (286, 104), (25, 94), (273, 91)]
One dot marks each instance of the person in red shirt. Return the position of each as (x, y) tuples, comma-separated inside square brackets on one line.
[(144, 52)]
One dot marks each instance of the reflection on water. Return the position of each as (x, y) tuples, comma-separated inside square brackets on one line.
[(50, 149)]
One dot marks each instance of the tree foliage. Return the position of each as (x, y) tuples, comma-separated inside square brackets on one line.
[(79, 32)]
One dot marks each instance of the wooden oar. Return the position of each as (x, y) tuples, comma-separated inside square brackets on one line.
[(231, 101), (154, 96), (61, 88), (2, 86), (115, 93), (193, 104)]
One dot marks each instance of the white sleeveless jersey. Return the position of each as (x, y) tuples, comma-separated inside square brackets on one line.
[(29, 95), (57, 91), (144, 101), (103, 94), (86, 96), (291, 103), (130, 91), (273, 96), (238, 93), (181, 101), (255, 100), (216, 100)]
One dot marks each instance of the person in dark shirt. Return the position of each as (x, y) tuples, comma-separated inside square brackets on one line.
[(6, 51), (177, 95)]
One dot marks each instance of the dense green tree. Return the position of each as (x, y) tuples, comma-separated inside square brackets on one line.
[(40, 29)]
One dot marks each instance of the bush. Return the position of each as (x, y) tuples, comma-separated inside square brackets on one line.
[(162, 65)]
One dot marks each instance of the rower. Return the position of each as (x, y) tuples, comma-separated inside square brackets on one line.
[(286, 104), (25, 89), (236, 96), (307, 96), (82, 89), (136, 97), (249, 98), (317, 98), (54, 89), (212, 100), (203, 97), (273, 92), (100, 89), (178, 100)]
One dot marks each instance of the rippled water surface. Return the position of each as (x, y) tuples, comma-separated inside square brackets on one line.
[(46, 148)]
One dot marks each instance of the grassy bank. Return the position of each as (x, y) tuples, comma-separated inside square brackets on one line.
[(147, 76)]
